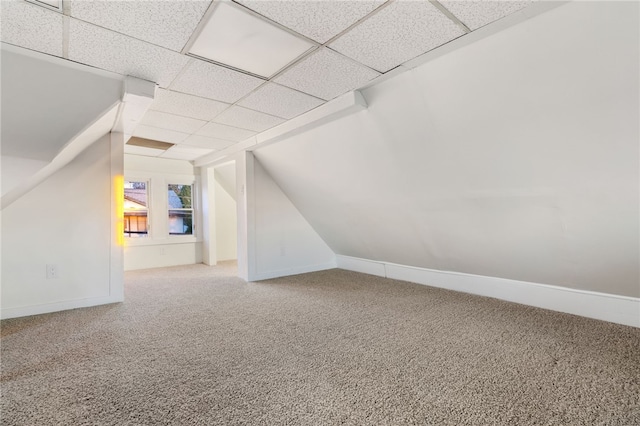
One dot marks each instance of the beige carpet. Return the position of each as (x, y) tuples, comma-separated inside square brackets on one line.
[(196, 346)]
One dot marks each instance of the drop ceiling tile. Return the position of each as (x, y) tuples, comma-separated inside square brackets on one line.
[(141, 150), (397, 33), (187, 105), (326, 74), (318, 20), (32, 27), (179, 152), (477, 13), (207, 142), (280, 101), (220, 131), (101, 48), (158, 134), (172, 122), (234, 36), (165, 23), (248, 119), (212, 81)]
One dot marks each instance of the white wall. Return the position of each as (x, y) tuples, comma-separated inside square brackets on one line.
[(160, 249), (283, 241), (46, 101), (16, 170), (67, 221), (226, 221), (513, 157)]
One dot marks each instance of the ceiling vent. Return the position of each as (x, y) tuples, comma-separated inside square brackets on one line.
[(148, 143)]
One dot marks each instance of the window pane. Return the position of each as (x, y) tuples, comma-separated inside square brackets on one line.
[(180, 196), (180, 209), (180, 222), (135, 209)]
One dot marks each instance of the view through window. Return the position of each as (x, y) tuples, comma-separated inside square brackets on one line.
[(136, 209), (180, 210)]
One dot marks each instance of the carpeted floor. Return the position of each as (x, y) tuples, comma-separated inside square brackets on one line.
[(194, 345)]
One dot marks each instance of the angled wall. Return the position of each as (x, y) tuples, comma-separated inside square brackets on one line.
[(68, 221), (274, 238), (514, 157)]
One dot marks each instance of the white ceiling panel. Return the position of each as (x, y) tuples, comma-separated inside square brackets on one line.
[(187, 105), (95, 46), (165, 23), (157, 134), (32, 27), (221, 131), (248, 119), (280, 101), (236, 37), (477, 13), (141, 150), (179, 152), (326, 74), (215, 82), (172, 122), (318, 20), (206, 142), (397, 33)]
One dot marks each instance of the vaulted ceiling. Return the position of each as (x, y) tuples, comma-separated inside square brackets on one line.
[(251, 82)]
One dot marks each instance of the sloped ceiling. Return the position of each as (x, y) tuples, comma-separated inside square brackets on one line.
[(514, 157), (45, 103), (203, 106)]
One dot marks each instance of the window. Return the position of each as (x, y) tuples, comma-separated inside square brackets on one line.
[(136, 209), (180, 209)]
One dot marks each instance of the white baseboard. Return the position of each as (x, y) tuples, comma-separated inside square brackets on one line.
[(603, 306), (24, 311), (355, 264), (258, 276)]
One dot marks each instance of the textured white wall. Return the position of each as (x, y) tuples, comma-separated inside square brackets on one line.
[(274, 239), (65, 221), (160, 255), (226, 213), (513, 157), (15, 170)]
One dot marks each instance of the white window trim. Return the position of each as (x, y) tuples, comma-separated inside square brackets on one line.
[(158, 234), (149, 214)]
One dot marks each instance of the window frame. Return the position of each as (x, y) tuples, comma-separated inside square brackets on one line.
[(192, 209), (158, 229), (148, 235)]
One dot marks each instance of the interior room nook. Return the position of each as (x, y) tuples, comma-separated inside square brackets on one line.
[(320, 212)]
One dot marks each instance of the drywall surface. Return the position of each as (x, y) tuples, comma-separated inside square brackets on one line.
[(158, 248), (513, 157), (66, 221), (141, 163), (282, 241), (226, 221), (46, 101), (161, 255), (16, 170)]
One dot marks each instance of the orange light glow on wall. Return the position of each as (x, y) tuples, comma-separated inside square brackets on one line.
[(118, 189)]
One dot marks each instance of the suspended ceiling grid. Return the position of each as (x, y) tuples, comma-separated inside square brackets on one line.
[(202, 106)]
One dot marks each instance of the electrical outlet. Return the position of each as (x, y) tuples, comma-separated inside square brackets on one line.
[(52, 271), (162, 251)]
